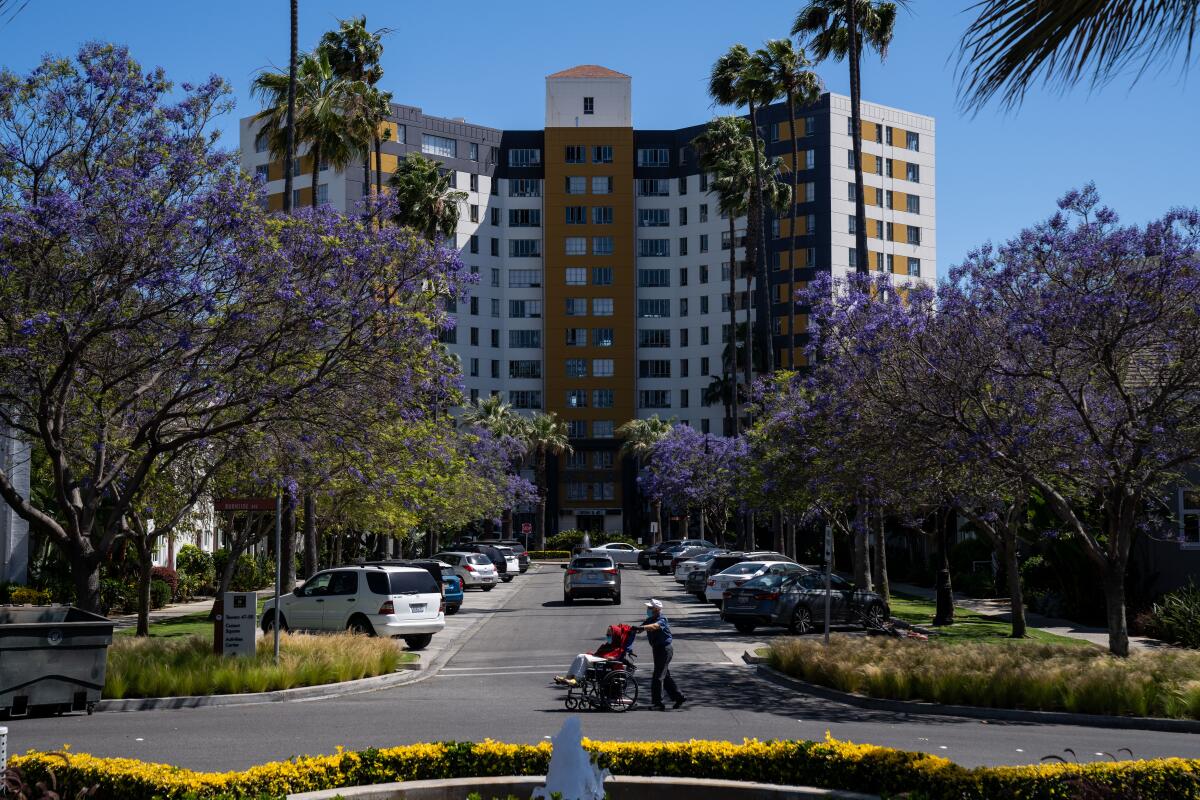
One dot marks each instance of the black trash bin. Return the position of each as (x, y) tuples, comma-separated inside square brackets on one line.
[(52, 658)]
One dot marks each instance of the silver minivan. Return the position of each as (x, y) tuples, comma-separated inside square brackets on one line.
[(590, 576)]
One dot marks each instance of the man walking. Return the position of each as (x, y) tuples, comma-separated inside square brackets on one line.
[(658, 633)]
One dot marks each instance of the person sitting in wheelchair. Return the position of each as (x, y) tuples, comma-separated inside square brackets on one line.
[(617, 645)]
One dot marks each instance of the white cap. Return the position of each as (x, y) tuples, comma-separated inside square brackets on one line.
[(654, 604)]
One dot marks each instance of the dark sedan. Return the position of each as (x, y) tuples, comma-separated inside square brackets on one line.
[(797, 602)]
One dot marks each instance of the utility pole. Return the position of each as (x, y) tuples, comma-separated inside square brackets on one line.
[(278, 567)]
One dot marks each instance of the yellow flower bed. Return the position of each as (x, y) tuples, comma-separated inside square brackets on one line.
[(830, 764)]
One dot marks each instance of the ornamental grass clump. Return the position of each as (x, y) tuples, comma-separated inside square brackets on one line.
[(187, 667), (1026, 675)]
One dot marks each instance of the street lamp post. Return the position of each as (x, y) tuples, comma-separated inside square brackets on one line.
[(278, 568)]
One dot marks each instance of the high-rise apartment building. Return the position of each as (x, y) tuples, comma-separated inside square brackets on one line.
[(603, 257)]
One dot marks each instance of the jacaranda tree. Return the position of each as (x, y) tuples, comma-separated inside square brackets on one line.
[(149, 304), (691, 471)]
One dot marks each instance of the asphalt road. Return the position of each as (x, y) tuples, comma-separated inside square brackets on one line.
[(498, 685)]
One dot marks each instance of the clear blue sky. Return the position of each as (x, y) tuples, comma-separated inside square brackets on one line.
[(485, 61)]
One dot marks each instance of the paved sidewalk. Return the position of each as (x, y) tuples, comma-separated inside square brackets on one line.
[(998, 608), (175, 610)]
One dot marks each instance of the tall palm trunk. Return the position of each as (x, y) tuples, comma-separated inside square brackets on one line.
[(542, 490), (289, 152), (379, 173), (316, 172), (311, 564), (762, 318), (733, 337), (884, 586), (860, 200), (791, 340)]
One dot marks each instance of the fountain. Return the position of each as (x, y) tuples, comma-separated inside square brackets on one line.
[(572, 774)]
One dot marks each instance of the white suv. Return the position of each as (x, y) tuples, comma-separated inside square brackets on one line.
[(399, 602), (474, 569)]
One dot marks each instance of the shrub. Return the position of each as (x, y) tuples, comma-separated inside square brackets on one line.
[(160, 593), (549, 555), (168, 576), (187, 666), (1028, 675), (26, 595), (1176, 616), (194, 562), (565, 540), (829, 764)]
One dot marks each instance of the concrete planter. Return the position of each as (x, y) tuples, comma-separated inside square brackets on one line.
[(622, 787)]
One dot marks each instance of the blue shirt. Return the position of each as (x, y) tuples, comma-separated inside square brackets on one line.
[(661, 637)]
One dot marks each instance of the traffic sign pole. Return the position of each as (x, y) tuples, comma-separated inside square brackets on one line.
[(828, 578), (279, 567)]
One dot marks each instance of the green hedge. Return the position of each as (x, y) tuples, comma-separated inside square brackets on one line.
[(549, 555), (828, 764)]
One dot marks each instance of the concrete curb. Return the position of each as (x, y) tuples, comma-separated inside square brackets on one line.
[(407, 673), (977, 712)]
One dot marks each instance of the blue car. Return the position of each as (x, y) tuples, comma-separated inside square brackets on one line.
[(452, 590)]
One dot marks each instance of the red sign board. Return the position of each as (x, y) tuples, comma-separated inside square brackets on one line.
[(245, 504), (526, 527)]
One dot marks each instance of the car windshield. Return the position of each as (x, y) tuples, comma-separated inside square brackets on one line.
[(508, 551), (412, 583), (477, 558), (591, 563), (744, 568), (764, 582)]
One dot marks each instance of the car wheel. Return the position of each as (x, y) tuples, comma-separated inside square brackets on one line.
[(360, 625), (745, 626), (567, 599), (802, 621), (718, 603), (451, 611), (269, 623), (418, 642), (616, 598), (874, 615), (487, 587)]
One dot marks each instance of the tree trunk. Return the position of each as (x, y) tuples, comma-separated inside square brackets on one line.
[(287, 546), (542, 491), (733, 337), (310, 535), (881, 570), (289, 152), (1114, 600), (658, 535), (762, 319), (1015, 594), (506, 523), (379, 173), (860, 200), (145, 567), (85, 572), (749, 530), (862, 563), (944, 614), (316, 177), (791, 359)]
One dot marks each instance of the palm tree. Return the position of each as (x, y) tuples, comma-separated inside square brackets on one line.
[(788, 68), (427, 203), (356, 53), (721, 390), (737, 79), (545, 435), (498, 418), (638, 439), (321, 104), (1013, 43), (827, 25), (725, 151)]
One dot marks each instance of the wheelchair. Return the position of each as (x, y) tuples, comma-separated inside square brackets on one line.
[(608, 685)]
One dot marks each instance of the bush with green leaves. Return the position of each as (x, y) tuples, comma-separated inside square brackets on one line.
[(26, 595), (568, 539), (160, 593), (193, 562), (1176, 616)]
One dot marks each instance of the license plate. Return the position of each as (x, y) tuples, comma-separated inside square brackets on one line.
[(589, 578), (417, 608), (740, 604)]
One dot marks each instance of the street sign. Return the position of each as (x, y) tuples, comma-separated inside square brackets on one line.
[(828, 544), (526, 527), (245, 504), (240, 617), (654, 527)]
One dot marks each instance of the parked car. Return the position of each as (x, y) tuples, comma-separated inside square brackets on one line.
[(511, 562), (647, 554), (740, 573), (440, 571), (661, 559), (797, 602), (619, 552), (517, 547), (400, 602), (700, 561), (724, 561), (496, 557), (475, 570), (685, 554), (697, 582), (591, 576)]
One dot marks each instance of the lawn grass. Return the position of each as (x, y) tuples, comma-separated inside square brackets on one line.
[(969, 627), (186, 666), (1018, 674), (197, 624)]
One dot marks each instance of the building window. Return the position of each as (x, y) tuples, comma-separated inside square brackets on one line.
[(495, 367), (602, 337), (602, 215), (602, 154), (653, 217), (912, 172), (495, 302), (524, 248), (704, 247), (576, 154), (577, 398), (576, 306), (683, 398), (913, 204), (683, 337), (683, 215), (496, 283), (475, 306), (576, 491), (683, 368), (577, 337), (577, 429), (654, 278), (261, 143), (525, 368), (525, 338), (682, 185), (912, 140), (704, 336), (576, 368), (495, 248), (602, 429), (704, 267), (891, 261), (589, 105), (602, 184), (704, 304), (525, 398), (439, 146), (525, 157), (576, 184), (473, 152), (654, 157), (576, 245), (914, 267), (914, 235), (474, 367), (262, 172), (524, 218), (524, 278), (602, 367), (602, 398), (473, 214), (473, 244), (654, 368), (704, 212), (683, 245), (323, 197), (654, 337), (683, 306), (474, 182), (654, 248), (524, 187), (602, 276), (521, 309), (654, 398), (653, 187), (602, 307), (576, 215), (576, 276), (653, 309), (602, 245), (704, 366)]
